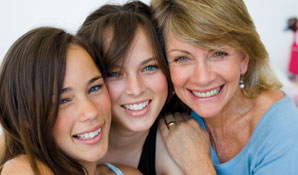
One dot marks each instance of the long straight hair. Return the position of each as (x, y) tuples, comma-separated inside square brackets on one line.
[(31, 78)]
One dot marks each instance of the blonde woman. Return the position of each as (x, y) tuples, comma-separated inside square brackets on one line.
[(220, 69)]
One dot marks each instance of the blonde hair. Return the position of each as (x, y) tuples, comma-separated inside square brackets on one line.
[(205, 23)]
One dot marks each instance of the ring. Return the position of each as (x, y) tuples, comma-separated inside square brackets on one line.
[(171, 123)]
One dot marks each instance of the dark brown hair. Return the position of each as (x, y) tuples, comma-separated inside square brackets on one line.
[(31, 78), (112, 29)]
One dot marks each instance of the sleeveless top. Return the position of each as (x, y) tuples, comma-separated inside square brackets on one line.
[(147, 160)]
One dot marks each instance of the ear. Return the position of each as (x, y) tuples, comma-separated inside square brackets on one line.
[(244, 63)]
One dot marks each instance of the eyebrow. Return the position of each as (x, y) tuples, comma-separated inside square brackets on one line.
[(148, 60), (64, 90), (177, 50)]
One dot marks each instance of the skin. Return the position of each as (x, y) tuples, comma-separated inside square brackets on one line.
[(84, 108), (141, 80), (228, 115), (2, 141)]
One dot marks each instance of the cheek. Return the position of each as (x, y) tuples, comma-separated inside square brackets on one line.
[(230, 72), (62, 127), (161, 85), (104, 103), (114, 90), (178, 76)]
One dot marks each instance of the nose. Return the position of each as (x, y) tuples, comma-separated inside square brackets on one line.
[(88, 109), (202, 73), (135, 85)]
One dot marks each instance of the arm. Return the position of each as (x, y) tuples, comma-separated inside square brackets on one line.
[(2, 144), (21, 166), (188, 144), (164, 164)]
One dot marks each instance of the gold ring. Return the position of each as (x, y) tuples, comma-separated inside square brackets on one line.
[(171, 123)]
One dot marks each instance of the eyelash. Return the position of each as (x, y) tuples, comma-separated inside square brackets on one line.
[(63, 101), (220, 54), (150, 67), (96, 88), (113, 74), (180, 59), (92, 89)]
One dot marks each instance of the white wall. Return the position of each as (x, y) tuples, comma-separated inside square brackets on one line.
[(270, 17), (18, 16)]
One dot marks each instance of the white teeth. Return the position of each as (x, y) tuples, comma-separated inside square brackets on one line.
[(207, 94), (136, 107), (89, 135)]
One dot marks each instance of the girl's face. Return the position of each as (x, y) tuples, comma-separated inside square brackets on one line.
[(204, 79), (83, 122), (139, 89)]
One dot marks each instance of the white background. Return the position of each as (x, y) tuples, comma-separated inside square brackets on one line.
[(19, 16)]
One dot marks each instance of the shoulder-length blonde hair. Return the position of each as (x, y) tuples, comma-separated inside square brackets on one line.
[(207, 22)]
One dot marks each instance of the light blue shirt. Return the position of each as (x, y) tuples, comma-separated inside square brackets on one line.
[(272, 148)]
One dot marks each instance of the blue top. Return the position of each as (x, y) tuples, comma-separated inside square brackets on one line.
[(272, 148)]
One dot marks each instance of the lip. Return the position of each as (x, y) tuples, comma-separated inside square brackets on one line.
[(95, 139), (138, 113), (206, 90)]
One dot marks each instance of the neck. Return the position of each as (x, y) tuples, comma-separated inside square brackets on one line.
[(90, 167), (121, 138), (233, 112)]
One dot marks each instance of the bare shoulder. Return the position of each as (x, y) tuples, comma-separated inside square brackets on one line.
[(102, 169), (164, 163), (2, 143), (21, 166), (128, 170)]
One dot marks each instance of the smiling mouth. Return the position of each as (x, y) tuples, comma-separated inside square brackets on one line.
[(137, 106), (89, 135), (207, 94)]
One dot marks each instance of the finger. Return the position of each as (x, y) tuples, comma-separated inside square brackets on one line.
[(185, 116), (178, 117), (163, 128), (169, 117)]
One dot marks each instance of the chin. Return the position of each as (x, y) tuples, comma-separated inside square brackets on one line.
[(141, 126)]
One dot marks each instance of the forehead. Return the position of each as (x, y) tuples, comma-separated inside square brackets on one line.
[(173, 41), (79, 62), (138, 49)]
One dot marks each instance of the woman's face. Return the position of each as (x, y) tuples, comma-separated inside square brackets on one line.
[(139, 89), (83, 122), (204, 79)]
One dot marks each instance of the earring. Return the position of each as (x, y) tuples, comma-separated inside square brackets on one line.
[(241, 82)]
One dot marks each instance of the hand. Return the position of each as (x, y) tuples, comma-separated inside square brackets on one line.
[(187, 143)]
